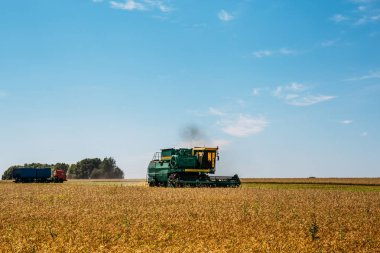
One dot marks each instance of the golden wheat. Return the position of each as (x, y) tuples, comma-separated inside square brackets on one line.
[(93, 218)]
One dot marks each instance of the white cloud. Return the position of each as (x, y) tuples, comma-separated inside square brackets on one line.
[(309, 100), (286, 51), (215, 112), (362, 21), (239, 125), (291, 96), (295, 87), (370, 75), (364, 12), (267, 53), (160, 5), (329, 43), (367, 19), (345, 122), (131, 5), (255, 92), (278, 91), (262, 53), (225, 16), (243, 125), (240, 102), (337, 18), (364, 134), (294, 94)]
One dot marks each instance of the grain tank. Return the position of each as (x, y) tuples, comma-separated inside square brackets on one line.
[(187, 167)]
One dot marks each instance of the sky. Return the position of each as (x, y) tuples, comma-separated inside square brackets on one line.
[(284, 88)]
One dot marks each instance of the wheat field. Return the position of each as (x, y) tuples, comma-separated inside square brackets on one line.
[(79, 217)]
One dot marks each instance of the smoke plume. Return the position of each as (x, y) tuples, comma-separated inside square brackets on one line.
[(192, 135)]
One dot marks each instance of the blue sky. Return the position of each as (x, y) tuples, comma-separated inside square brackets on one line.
[(285, 88)]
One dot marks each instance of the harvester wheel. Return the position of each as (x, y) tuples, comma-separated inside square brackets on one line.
[(153, 183), (173, 180)]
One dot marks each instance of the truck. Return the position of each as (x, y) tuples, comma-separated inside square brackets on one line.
[(187, 167), (38, 175)]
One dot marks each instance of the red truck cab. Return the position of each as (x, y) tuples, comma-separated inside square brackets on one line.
[(59, 176)]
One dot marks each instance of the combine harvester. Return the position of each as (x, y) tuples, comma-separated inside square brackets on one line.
[(38, 175), (187, 167)]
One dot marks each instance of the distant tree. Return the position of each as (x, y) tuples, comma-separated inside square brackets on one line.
[(61, 166), (109, 169), (7, 175), (37, 165), (84, 168), (94, 168), (71, 173), (97, 174)]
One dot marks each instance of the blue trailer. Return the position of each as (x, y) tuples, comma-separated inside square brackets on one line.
[(24, 174), (38, 175)]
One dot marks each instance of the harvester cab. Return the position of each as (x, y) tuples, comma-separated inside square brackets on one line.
[(206, 157), (187, 167)]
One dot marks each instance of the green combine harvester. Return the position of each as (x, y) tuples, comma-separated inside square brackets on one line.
[(187, 167)]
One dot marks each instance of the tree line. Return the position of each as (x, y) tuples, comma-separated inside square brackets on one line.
[(89, 168)]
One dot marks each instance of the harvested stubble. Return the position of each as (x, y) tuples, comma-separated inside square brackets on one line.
[(88, 218)]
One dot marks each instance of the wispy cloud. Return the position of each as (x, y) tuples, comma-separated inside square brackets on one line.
[(289, 89), (241, 102), (362, 1), (369, 75), (364, 134), (3, 94), (262, 53), (132, 5), (363, 12), (309, 100), (225, 16), (129, 5), (214, 111), (238, 124), (159, 5), (243, 125), (367, 19), (281, 51), (345, 122), (338, 18), (362, 8), (298, 95), (287, 51), (255, 92), (329, 43)]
